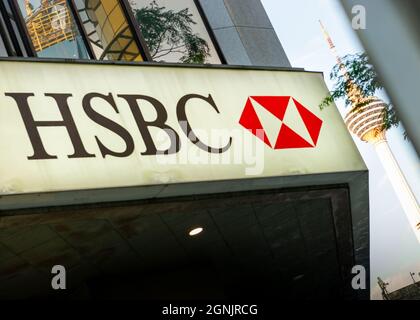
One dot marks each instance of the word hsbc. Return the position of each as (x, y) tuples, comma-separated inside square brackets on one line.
[(134, 102)]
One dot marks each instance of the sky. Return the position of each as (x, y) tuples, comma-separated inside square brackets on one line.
[(395, 251)]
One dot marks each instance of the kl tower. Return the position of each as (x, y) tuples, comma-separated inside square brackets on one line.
[(365, 120)]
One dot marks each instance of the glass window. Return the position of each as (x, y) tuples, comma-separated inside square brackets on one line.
[(174, 31), (107, 30), (52, 29)]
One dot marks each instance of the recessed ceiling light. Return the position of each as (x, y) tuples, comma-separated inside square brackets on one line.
[(298, 277), (195, 231)]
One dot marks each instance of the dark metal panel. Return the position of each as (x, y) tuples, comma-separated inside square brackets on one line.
[(82, 30), (4, 33), (22, 28)]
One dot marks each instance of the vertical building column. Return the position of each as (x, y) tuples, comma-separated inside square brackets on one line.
[(397, 59), (244, 32)]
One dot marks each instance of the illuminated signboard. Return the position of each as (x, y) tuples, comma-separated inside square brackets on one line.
[(74, 127)]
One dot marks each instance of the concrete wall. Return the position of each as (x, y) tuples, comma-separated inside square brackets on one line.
[(244, 32)]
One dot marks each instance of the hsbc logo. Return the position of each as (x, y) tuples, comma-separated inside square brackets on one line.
[(281, 122)]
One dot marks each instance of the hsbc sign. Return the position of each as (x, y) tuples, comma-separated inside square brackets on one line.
[(81, 127), (283, 108)]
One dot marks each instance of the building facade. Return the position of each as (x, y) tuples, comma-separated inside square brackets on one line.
[(151, 145)]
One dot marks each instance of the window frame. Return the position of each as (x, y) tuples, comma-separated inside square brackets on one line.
[(141, 43), (15, 49), (4, 36), (22, 28), (210, 32), (27, 38), (81, 29), (11, 37), (138, 38), (203, 17)]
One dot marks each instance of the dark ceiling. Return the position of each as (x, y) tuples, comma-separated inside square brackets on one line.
[(275, 244)]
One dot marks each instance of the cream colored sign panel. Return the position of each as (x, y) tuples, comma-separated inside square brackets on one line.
[(70, 127)]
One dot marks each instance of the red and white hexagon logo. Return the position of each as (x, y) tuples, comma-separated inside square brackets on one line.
[(281, 122)]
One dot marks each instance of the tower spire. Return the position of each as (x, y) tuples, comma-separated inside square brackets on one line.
[(354, 93)]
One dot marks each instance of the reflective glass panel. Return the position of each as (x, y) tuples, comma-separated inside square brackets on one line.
[(107, 30), (174, 31), (52, 29)]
